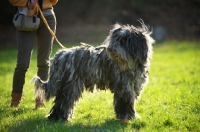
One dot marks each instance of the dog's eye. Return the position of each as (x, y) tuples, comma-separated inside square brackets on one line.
[(121, 42)]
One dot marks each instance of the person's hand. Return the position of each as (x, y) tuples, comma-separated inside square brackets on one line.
[(31, 3)]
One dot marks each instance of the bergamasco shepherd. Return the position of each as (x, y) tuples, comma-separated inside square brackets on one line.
[(121, 64)]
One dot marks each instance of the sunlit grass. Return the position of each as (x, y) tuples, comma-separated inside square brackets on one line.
[(170, 102)]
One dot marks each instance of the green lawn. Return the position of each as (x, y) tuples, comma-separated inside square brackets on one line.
[(170, 102)]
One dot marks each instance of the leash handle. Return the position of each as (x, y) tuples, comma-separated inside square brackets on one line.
[(34, 12)]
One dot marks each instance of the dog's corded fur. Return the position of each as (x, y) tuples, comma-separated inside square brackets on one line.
[(120, 64)]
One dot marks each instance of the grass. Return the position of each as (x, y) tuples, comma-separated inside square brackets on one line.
[(170, 102)]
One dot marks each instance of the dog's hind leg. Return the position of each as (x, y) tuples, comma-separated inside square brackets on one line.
[(65, 101), (124, 106)]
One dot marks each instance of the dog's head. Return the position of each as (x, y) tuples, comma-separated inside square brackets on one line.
[(129, 46)]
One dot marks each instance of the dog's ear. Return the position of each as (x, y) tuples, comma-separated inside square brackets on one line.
[(137, 46)]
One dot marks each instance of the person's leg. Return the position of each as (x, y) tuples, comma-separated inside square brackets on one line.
[(45, 43), (25, 41)]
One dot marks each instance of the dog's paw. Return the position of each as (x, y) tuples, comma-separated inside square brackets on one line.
[(124, 121)]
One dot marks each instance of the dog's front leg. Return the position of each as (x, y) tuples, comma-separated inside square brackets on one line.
[(124, 106)]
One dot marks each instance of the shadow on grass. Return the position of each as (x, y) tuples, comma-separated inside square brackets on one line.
[(41, 124)]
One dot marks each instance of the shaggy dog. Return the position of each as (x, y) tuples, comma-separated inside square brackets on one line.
[(120, 64)]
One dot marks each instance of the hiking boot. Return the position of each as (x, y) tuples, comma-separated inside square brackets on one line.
[(16, 98)]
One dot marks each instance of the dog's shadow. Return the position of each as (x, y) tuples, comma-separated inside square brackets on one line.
[(109, 125), (40, 123)]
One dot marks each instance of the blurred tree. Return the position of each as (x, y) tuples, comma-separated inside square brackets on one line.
[(179, 17)]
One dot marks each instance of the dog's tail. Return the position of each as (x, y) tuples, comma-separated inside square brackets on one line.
[(41, 89)]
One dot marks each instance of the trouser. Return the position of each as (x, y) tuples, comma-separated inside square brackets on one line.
[(25, 43)]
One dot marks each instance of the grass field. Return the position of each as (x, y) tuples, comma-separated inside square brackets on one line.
[(170, 102)]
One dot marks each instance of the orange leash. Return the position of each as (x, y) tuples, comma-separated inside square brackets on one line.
[(35, 11)]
